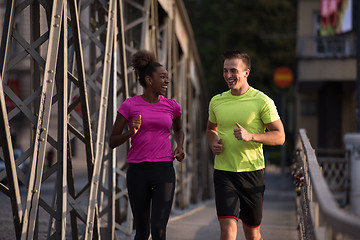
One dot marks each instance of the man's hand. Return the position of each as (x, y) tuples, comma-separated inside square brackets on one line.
[(135, 124), (241, 133), (179, 154), (217, 147)]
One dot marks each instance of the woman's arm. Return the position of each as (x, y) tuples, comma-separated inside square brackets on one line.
[(179, 139), (117, 136)]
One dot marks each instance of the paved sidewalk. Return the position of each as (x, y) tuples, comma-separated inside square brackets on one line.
[(279, 214)]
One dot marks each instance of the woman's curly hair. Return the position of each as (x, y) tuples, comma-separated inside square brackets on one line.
[(144, 63)]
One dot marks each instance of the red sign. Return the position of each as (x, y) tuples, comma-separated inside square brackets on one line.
[(283, 77)]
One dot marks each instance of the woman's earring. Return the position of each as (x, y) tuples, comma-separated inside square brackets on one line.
[(150, 83)]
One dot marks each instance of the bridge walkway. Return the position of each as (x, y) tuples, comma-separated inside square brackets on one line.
[(279, 214)]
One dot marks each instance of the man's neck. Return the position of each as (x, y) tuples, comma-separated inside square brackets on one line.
[(240, 91)]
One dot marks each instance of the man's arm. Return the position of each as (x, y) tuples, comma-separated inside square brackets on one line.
[(275, 135), (212, 138)]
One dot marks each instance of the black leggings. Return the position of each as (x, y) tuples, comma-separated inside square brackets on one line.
[(151, 188)]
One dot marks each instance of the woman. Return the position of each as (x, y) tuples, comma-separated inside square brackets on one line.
[(150, 176)]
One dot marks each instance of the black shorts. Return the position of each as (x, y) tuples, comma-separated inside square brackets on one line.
[(240, 195)]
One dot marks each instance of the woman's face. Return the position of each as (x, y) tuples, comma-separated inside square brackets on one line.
[(160, 81)]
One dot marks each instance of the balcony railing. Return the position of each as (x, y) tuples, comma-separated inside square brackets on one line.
[(327, 47)]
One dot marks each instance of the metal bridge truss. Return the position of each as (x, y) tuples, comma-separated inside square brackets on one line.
[(72, 61)]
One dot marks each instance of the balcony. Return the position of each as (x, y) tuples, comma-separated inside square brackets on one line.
[(341, 46)]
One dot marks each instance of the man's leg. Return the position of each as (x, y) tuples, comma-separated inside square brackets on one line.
[(252, 204), (252, 233), (228, 227)]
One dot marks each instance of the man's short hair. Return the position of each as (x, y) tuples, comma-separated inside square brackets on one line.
[(240, 55)]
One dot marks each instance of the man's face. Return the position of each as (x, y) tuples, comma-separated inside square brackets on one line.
[(235, 73)]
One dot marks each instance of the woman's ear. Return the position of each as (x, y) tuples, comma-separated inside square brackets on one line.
[(148, 80)]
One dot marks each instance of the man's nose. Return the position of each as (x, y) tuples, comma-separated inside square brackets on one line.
[(227, 75)]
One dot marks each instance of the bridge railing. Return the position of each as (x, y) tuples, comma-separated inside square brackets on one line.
[(319, 215)]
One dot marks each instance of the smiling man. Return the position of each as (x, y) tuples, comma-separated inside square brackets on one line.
[(236, 132)]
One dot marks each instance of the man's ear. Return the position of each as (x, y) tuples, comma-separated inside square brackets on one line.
[(247, 72)]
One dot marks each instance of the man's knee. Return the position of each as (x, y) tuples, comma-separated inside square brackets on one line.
[(252, 233), (228, 227)]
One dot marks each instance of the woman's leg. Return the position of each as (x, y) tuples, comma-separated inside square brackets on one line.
[(139, 197), (162, 199)]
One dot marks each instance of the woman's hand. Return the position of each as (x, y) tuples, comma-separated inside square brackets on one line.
[(135, 124), (179, 154)]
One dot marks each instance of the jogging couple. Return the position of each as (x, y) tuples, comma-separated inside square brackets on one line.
[(240, 121)]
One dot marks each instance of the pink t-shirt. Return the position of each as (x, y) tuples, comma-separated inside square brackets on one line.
[(151, 143)]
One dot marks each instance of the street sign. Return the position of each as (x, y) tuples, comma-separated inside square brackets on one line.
[(283, 77)]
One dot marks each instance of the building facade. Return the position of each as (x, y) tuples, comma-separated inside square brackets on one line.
[(326, 78)]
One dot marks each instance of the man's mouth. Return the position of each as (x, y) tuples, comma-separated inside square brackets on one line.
[(231, 82)]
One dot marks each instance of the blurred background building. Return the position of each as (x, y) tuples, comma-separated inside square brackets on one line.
[(326, 73)]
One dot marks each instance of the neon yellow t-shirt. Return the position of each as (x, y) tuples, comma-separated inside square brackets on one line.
[(251, 110)]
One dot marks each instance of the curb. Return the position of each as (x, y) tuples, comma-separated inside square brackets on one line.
[(194, 209)]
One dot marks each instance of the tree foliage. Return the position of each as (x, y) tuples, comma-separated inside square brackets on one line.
[(265, 29)]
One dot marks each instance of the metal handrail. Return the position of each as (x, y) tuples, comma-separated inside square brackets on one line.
[(326, 214)]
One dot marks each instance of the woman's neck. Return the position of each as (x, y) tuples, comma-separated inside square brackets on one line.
[(150, 96)]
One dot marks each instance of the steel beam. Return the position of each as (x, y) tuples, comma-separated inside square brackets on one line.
[(100, 141), (90, 45), (5, 137), (32, 202)]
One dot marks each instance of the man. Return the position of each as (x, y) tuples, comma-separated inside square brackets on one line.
[(236, 133)]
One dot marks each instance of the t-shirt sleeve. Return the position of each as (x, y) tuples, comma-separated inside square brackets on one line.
[(212, 116), (176, 109), (124, 109), (269, 112)]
